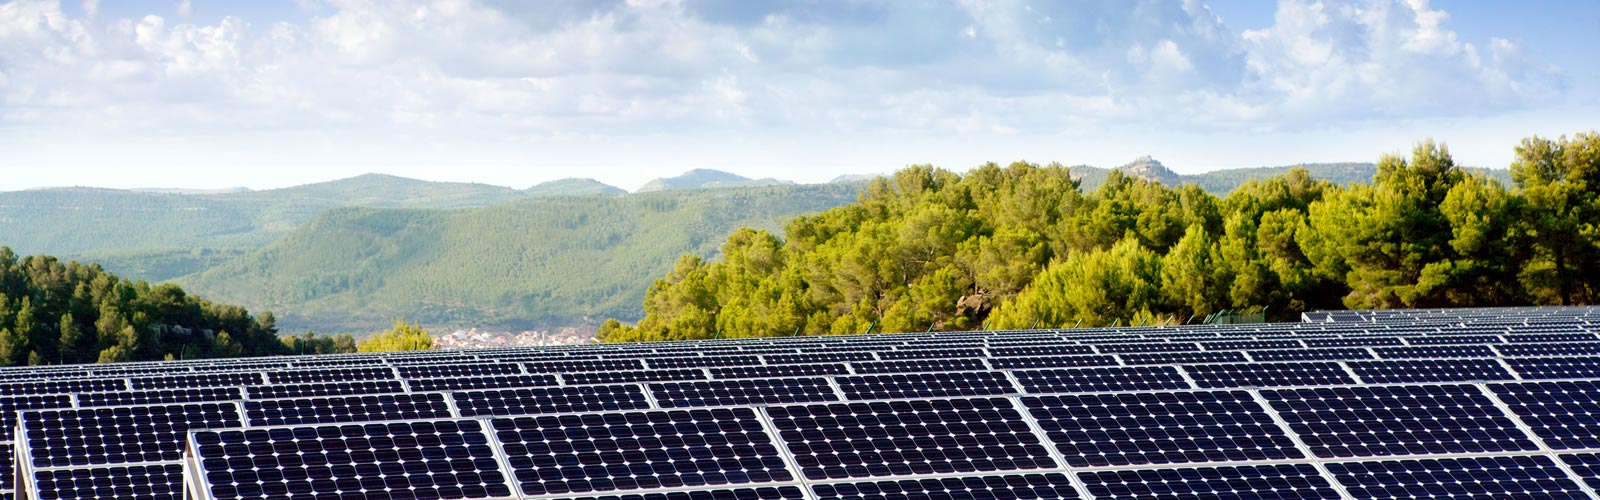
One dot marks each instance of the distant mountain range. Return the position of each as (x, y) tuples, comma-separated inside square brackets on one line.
[(352, 254)]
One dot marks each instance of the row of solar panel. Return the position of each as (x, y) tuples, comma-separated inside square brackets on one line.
[(1088, 430), (617, 451)]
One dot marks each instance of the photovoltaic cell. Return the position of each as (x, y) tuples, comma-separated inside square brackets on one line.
[(343, 409), (12, 406), (1555, 349), (632, 376), (62, 387), (481, 382), (1429, 370), (819, 357), (925, 385), (1018, 486), (1354, 342), (1101, 379), (1052, 362), (324, 389), (1286, 481), (163, 396), (1243, 345), (758, 493), (1147, 347), (142, 482), (573, 366), (1095, 430), (1040, 350), (119, 435), (703, 361), (1453, 339), (933, 354), (639, 450), (1563, 414), (919, 365), (742, 392), (1554, 368), (1322, 354), (459, 370), (391, 460), (1172, 358), (1397, 420), (1586, 466), (536, 400), (1268, 374), (329, 375), (1553, 337), (896, 438), (733, 372), (1477, 477), (1453, 351)]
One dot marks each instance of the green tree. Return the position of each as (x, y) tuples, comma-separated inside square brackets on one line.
[(402, 337), (1094, 288), (1560, 182)]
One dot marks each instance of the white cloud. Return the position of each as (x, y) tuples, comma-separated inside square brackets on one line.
[(376, 71)]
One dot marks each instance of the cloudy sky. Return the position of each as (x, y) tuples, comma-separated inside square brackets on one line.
[(267, 93)]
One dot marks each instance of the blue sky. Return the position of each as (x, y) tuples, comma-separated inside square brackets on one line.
[(273, 93)]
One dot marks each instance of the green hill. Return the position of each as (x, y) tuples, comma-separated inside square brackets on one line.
[(532, 262), (572, 187), (1221, 182)]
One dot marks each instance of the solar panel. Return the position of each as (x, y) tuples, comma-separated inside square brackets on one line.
[(162, 396), (758, 493), (1323, 354), (1557, 349), (742, 392), (1453, 351), (329, 375), (152, 482), (933, 354), (1243, 345), (925, 385), (1354, 342), (118, 435), (536, 400), (399, 460), (778, 371), (340, 409), (1268, 374), (62, 387), (1553, 337), (1397, 420), (324, 389), (598, 365), (480, 382), (1172, 358), (632, 376), (919, 365), (1429, 370), (894, 438), (820, 357), (1147, 347), (459, 370), (1563, 414), (639, 450), (1040, 350), (1586, 466), (1105, 379), (1093, 430), (1454, 339), (1474, 477), (1018, 486), (1282, 481), (12, 406), (1554, 368), (703, 361), (1052, 362)]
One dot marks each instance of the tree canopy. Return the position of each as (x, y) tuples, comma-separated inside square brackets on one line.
[(1023, 246)]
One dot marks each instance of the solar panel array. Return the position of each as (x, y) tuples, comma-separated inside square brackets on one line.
[(1468, 403)]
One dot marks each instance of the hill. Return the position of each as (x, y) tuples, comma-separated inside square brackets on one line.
[(701, 178), (380, 190), (532, 262), (1221, 182), (572, 187)]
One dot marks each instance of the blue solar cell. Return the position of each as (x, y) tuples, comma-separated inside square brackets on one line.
[(1242, 345), (343, 409), (703, 361), (324, 389), (392, 460), (535, 400), (1554, 368), (1147, 347), (1354, 342), (1268, 374), (1287, 481), (1452, 351), (1429, 370), (1553, 337), (818, 357), (1586, 466), (1054, 349), (118, 435), (585, 378), (329, 375), (574, 366), (1562, 413), (459, 370), (1092, 430), (142, 482), (1397, 420), (919, 365), (933, 354), (895, 438), (62, 386), (1101, 379), (1322, 354), (734, 372), (639, 450), (162, 396), (1477, 477), (1018, 487), (1555, 349), (759, 493), (1453, 339), (925, 385), (1173, 358), (742, 392), (1052, 362)]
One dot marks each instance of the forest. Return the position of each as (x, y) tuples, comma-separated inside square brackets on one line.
[(1023, 246)]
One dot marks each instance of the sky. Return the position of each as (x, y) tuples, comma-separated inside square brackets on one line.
[(273, 93)]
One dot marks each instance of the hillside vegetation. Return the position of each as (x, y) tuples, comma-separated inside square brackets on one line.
[(53, 312), (535, 262), (1022, 246)]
